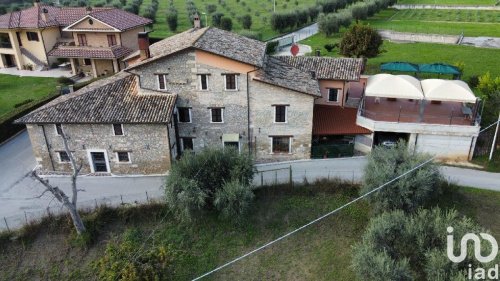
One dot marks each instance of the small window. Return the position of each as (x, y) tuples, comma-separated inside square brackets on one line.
[(203, 82), (87, 62), (184, 114), (280, 113), (59, 130), (123, 157), (187, 143), (162, 81), (118, 129), (333, 95), (63, 157), (82, 39), (217, 115), (231, 82), (281, 145), (111, 40), (32, 36)]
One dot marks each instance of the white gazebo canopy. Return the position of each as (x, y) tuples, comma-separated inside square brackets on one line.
[(447, 90), (394, 86)]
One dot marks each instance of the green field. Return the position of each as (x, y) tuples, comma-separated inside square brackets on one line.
[(319, 252), (477, 60), (15, 90), (260, 11), (449, 2), (428, 21)]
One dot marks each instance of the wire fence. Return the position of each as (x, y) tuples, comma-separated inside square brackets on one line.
[(12, 222)]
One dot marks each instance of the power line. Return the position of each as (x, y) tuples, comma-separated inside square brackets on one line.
[(316, 220)]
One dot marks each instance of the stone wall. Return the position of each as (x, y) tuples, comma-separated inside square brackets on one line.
[(298, 126), (182, 78), (148, 145)]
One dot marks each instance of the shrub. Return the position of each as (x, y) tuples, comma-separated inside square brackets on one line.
[(216, 19), (329, 47), (474, 81), (226, 23), (65, 80), (148, 264), (195, 180), (407, 193), (172, 20), (271, 47), (233, 199), (360, 41), (396, 246), (246, 21), (211, 8)]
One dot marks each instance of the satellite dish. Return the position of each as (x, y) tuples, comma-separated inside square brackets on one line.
[(294, 50)]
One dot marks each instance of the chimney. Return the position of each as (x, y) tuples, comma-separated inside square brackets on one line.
[(143, 39), (313, 74), (45, 12), (88, 9), (196, 21), (318, 52), (36, 3)]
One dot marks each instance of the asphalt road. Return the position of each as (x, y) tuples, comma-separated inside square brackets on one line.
[(20, 194)]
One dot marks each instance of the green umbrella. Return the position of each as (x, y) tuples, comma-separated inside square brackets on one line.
[(440, 68), (399, 66)]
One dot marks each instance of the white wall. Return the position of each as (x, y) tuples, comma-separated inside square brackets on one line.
[(450, 147)]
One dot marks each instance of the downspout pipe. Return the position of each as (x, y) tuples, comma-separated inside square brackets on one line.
[(249, 138)]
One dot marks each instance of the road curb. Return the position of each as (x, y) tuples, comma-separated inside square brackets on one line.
[(10, 138)]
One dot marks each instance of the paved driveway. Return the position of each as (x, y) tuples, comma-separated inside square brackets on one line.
[(18, 192)]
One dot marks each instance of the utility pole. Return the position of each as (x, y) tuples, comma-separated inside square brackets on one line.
[(494, 138)]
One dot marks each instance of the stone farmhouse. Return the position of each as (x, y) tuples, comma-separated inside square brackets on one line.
[(93, 40), (207, 87)]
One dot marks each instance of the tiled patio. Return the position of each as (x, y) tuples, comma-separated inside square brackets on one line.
[(403, 110)]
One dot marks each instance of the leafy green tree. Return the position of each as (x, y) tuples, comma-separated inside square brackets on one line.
[(216, 19), (409, 192), (226, 23), (397, 246), (213, 179), (246, 21), (361, 41), (490, 93), (172, 20)]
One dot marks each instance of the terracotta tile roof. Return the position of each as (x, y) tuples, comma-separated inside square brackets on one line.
[(348, 69), (64, 16), (112, 100), (335, 120), (278, 73), (212, 40), (89, 52)]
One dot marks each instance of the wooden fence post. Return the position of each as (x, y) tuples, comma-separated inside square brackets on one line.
[(291, 177)]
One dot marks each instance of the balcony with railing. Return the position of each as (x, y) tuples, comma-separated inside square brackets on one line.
[(404, 104)]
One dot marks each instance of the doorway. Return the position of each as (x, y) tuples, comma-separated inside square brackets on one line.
[(9, 61), (98, 162)]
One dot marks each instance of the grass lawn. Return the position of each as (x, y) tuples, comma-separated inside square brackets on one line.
[(471, 23), (320, 252), (477, 60), (15, 90), (449, 2)]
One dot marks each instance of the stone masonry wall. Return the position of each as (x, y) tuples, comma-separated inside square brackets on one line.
[(298, 125), (182, 78), (148, 145)]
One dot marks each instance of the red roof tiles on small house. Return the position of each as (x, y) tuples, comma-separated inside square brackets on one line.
[(334, 120)]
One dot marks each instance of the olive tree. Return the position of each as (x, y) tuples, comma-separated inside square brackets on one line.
[(213, 179), (398, 246), (407, 193), (361, 41)]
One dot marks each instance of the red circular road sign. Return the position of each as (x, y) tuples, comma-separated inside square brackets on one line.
[(294, 49)]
